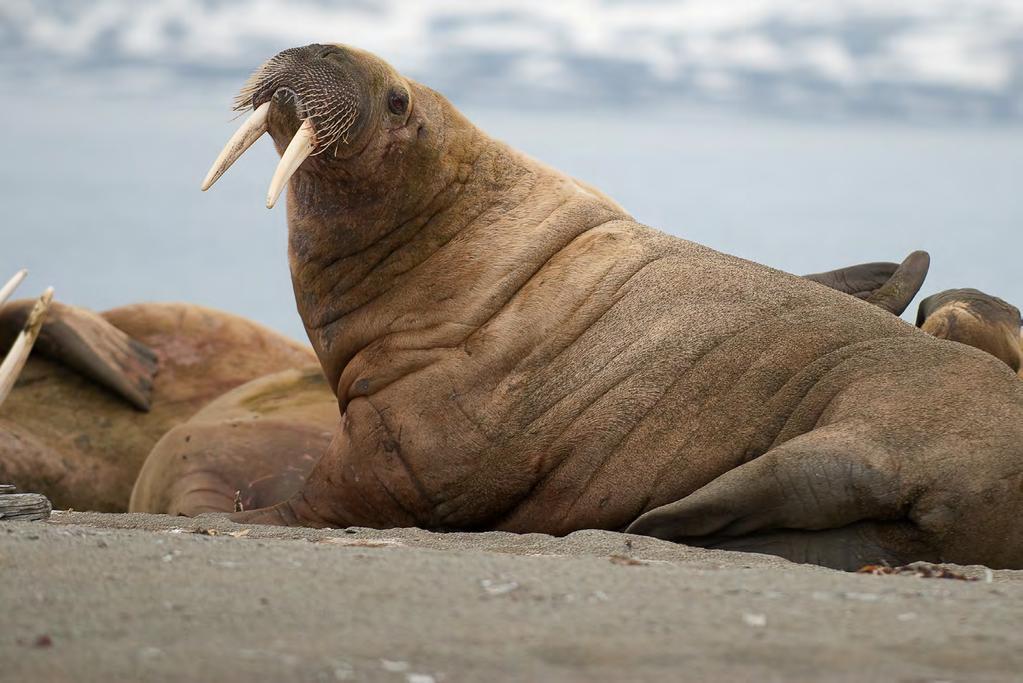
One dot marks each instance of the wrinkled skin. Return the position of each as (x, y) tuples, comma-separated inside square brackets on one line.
[(255, 444), (64, 435), (969, 316), (512, 351)]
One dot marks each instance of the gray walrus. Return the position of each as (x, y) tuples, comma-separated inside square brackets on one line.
[(969, 316), (512, 351)]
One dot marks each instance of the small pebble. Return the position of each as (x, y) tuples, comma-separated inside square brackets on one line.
[(420, 678), (756, 620)]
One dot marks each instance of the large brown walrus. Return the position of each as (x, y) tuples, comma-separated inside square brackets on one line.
[(969, 316), (255, 445), (90, 406), (510, 350)]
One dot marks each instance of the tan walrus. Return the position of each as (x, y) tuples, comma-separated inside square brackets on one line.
[(510, 350), (252, 447), (969, 316), (90, 406), (255, 445)]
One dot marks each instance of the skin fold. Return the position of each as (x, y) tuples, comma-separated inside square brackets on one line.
[(68, 432), (971, 317)]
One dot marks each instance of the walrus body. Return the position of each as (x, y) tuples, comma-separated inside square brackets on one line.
[(512, 351), (969, 316), (64, 435), (252, 447)]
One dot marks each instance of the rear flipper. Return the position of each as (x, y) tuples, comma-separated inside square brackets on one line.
[(889, 286), (826, 497), (90, 345)]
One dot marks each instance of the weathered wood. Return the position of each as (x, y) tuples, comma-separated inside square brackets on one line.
[(24, 507), (8, 488)]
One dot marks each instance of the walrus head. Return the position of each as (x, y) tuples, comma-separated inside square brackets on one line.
[(376, 168), (971, 317), (345, 110)]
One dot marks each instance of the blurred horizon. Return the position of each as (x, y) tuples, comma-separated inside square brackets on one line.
[(916, 59), (802, 135)]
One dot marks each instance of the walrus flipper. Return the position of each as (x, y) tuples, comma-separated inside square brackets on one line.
[(859, 281), (890, 286), (821, 498), (848, 548), (92, 346), (904, 284)]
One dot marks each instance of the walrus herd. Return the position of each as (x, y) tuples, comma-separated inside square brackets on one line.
[(498, 346)]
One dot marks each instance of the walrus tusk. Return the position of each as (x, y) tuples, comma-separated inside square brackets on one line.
[(18, 355), (249, 132), (300, 147), (12, 284)]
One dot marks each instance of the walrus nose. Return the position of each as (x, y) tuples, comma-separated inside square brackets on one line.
[(302, 144)]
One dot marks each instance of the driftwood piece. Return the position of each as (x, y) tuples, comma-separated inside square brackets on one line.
[(8, 488), (24, 507)]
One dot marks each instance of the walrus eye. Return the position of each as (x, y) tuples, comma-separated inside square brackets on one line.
[(397, 101)]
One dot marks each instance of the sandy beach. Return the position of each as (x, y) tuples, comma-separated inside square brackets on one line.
[(98, 597)]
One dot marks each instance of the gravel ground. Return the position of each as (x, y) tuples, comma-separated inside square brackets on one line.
[(94, 597)]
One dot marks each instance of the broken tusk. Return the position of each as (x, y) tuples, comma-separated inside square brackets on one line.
[(249, 132), (12, 285), (300, 147), (18, 355)]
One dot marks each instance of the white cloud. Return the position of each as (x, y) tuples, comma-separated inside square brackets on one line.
[(969, 46)]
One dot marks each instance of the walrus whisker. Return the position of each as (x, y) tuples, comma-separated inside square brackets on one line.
[(248, 133), (300, 147), (12, 285), (18, 355)]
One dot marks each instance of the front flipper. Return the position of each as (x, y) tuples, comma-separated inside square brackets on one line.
[(92, 346), (847, 548), (887, 285), (826, 497)]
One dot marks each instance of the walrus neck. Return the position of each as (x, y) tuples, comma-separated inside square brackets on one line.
[(381, 269)]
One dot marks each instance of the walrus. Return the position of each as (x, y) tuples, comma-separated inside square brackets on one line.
[(512, 351), (103, 388), (252, 447), (970, 316), (255, 445)]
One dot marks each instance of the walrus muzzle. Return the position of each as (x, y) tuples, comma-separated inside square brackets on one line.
[(319, 85)]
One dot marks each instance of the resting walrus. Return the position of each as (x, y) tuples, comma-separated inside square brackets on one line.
[(969, 316), (89, 407), (251, 447), (510, 350)]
